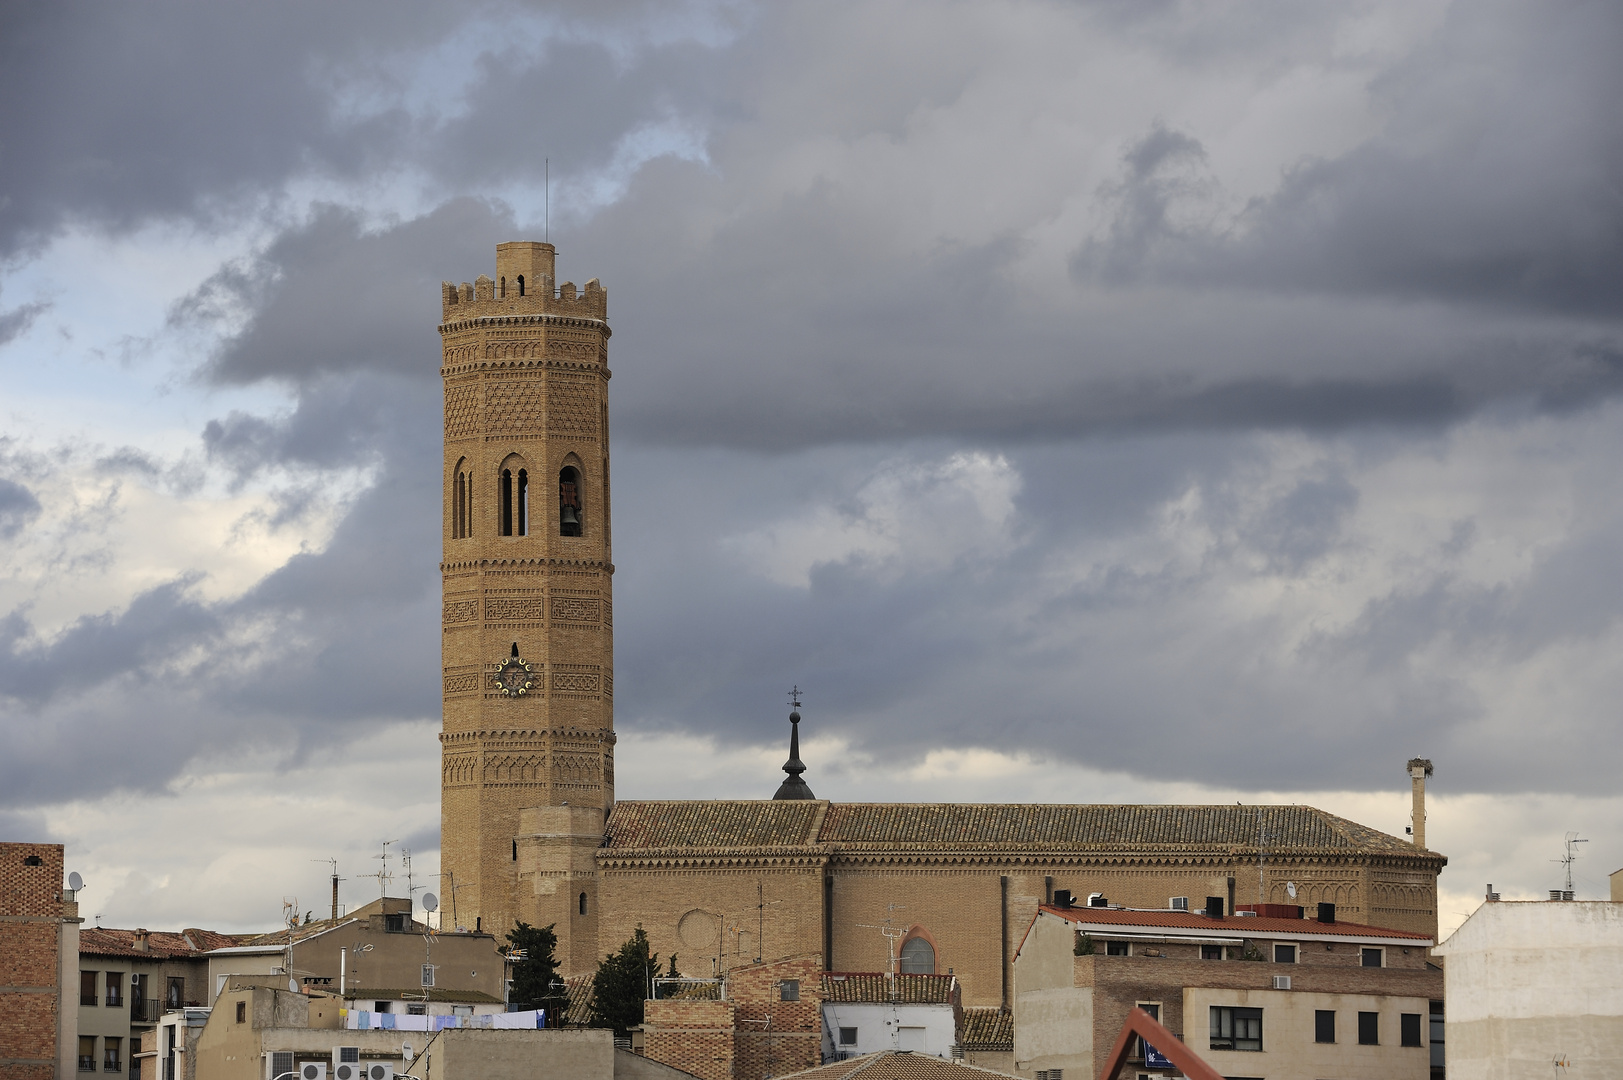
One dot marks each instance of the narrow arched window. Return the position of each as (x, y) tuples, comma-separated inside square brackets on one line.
[(507, 502), (521, 284), (523, 508), (458, 523), (918, 957), (503, 293), (467, 504), (583, 903), (515, 851), (571, 514)]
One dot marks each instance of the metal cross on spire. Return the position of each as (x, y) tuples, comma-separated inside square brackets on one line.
[(794, 697)]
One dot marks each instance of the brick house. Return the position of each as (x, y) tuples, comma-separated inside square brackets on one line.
[(39, 946)]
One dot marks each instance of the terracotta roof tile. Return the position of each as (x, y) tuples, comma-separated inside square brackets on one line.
[(161, 944), (713, 824), (875, 986), (987, 1029), (896, 1065), (1231, 926)]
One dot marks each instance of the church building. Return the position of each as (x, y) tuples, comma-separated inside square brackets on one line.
[(530, 826)]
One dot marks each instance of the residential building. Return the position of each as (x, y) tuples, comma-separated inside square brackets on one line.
[(127, 980), (1255, 995), (866, 1013), (761, 1020), (1535, 989), (531, 824), (898, 1065), (39, 953)]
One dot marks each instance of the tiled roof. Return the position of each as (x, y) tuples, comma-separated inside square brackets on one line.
[(580, 1000), (987, 1029), (896, 1065), (1231, 926), (876, 986), (416, 993), (712, 824), (161, 944)]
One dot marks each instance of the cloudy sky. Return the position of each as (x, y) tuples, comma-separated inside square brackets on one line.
[(1142, 401)]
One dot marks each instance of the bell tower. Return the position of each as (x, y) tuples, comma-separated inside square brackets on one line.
[(527, 743)]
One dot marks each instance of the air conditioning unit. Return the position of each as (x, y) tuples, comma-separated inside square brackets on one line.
[(278, 1063), (1282, 982), (313, 1070), (346, 1063), (1178, 903), (377, 1070)]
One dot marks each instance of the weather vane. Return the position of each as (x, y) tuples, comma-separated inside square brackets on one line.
[(794, 697)]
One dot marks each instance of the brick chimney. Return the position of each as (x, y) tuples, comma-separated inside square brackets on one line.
[(142, 941)]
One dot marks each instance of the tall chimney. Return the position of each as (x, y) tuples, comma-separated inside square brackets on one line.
[(1419, 769)]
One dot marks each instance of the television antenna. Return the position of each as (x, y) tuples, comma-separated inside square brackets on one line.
[(893, 934), (383, 875), (1571, 856), (1263, 836)]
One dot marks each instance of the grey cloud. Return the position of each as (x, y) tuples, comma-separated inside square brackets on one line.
[(18, 506), (15, 323), (1492, 182)]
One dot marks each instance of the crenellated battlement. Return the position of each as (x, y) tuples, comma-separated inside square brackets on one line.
[(525, 284)]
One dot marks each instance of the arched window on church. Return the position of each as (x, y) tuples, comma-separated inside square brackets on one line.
[(521, 284), (571, 513), (583, 903), (459, 502), (507, 502), (523, 508), (918, 957), (503, 293)]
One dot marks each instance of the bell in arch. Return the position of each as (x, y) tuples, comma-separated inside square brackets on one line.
[(570, 517)]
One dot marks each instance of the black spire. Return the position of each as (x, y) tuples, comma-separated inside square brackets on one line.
[(793, 787)]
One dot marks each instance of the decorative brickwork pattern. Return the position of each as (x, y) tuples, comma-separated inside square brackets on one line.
[(513, 406), (461, 409), (465, 683), (572, 404), (577, 609), (460, 611), (515, 609)]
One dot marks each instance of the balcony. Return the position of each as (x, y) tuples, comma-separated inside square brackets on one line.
[(145, 1010)]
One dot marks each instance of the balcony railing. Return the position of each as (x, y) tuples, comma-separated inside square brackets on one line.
[(145, 1010)]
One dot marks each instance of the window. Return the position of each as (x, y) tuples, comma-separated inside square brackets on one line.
[(112, 1055), (1143, 1050), (521, 284), (383, 1006), (138, 997), (115, 988), (523, 507), (507, 502), (1369, 1029), (242, 1012), (135, 1059), (848, 1036), (789, 990), (1284, 954), (515, 851), (87, 991), (87, 1052), (1236, 1029), (1409, 1029), (1437, 1061), (461, 502), (1050, 1074), (33, 860), (416, 1010), (583, 903), (1324, 1026), (918, 957), (1211, 952), (1118, 948), (461, 1010), (395, 924), (571, 514), (176, 996), (1372, 957)]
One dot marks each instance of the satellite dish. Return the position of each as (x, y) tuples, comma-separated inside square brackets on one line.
[(75, 882), (1290, 887), (293, 985), (430, 902)]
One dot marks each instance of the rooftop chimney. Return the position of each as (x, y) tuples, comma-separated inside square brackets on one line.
[(142, 941), (1419, 769), (1493, 897)]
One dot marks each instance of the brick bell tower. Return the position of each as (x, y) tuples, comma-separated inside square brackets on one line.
[(527, 745)]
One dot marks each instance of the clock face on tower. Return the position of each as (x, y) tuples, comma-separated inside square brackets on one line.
[(514, 678)]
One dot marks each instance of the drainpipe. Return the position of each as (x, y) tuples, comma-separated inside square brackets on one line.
[(1003, 935)]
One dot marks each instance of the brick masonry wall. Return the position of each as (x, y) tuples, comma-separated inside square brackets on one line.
[(752, 1035), (694, 1036), (31, 913)]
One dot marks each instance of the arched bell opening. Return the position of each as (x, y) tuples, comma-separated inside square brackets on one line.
[(571, 506)]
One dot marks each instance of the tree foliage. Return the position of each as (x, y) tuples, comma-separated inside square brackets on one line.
[(536, 981), (622, 984)]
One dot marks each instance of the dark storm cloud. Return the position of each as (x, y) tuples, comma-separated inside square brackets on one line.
[(16, 322), (1493, 182)]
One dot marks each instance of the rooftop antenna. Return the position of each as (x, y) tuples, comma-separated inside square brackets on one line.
[(411, 890), (1262, 848), (893, 934), (383, 875), (1570, 857), (335, 880)]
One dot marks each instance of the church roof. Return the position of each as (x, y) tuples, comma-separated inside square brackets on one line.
[(722, 823)]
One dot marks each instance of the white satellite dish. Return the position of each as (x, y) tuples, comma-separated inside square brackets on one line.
[(75, 882), (430, 902), (293, 985), (1290, 887)]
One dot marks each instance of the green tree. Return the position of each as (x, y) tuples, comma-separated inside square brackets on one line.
[(536, 981), (621, 984)]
